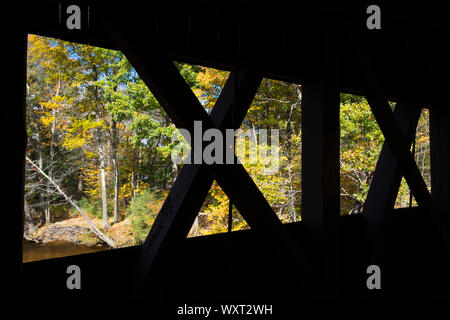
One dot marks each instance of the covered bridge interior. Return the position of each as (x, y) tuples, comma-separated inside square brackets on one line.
[(328, 49)]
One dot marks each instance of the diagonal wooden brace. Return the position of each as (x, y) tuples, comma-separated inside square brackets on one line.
[(194, 181), (387, 176), (395, 139)]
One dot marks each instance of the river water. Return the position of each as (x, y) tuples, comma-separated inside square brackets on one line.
[(35, 251)]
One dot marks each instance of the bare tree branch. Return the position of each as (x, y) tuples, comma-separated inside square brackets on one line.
[(91, 225)]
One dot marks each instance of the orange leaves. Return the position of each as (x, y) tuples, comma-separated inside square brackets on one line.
[(212, 77), (212, 82)]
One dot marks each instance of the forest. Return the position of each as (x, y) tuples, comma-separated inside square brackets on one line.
[(98, 162)]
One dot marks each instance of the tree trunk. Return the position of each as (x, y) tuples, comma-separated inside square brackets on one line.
[(80, 184), (51, 157), (50, 166), (28, 218), (115, 160), (101, 153), (103, 185), (138, 171), (132, 173), (174, 171), (289, 162), (292, 194), (91, 225), (40, 165)]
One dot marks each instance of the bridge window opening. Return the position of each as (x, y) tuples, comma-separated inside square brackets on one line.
[(213, 217), (269, 148), (361, 141), (99, 154), (421, 151), (98, 157), (276, 112)]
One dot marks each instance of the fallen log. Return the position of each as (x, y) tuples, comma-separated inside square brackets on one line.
[(90, 224)]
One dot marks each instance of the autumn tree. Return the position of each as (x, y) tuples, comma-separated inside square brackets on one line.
[(49, 90), (97, 132)]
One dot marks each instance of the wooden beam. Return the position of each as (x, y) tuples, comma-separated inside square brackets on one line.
[(178, 100), (219, 50), (440, 152), (191, 186), (379, 205), (163, 79), (395, 139), (159, 73), (176, 216), (386, 179), (320, 161), (320, 151), (13, 161)]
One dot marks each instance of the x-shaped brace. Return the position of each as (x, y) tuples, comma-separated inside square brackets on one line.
[(194, 180), (395, 139)]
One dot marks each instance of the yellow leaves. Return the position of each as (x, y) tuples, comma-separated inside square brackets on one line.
[(125, 190), (50, 105), (60, 100), (47, 120), (91, 179), (217, 210), (80, 133), (37, 46), (212, 82), (211, 77), (73, 142), (423, 139), (90, 155), (198, 92), (50, 108), (141, 187)]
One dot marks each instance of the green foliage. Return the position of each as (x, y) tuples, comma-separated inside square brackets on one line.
[(60, 211), (83, 203), (142, 210), (93, 206), (361, 142), (84, 102)]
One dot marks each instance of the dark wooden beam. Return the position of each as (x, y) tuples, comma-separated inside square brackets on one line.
[(175, 218), (378, 208), (386, 179), (193, 182), (14, 144), (440, 152), (163, 79), (320, 160), (175, 96), (394, 137), (270, 36)]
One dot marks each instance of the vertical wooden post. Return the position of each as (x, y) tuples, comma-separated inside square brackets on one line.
[(378, 207), (320, 161), (440, 154), (12, 161)]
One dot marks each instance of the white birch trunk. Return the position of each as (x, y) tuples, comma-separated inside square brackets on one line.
[(90, 224), (115, 160), (103, 186)]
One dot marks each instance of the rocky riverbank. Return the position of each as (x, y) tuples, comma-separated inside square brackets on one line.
[(76, 231)]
